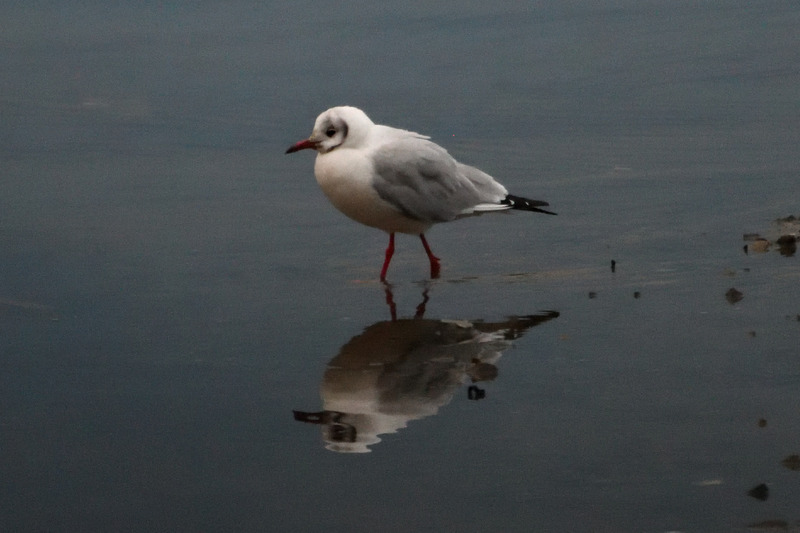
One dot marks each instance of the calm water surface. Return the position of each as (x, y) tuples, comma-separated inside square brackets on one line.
[(190, 334)]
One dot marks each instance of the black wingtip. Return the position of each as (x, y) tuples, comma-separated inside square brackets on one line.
[(525, 204)]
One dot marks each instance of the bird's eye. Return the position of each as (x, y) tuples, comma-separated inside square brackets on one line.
[(330, 132)]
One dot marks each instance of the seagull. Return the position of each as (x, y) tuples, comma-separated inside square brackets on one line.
[(397, 180)]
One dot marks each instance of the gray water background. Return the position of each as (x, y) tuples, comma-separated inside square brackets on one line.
[(172, 286)]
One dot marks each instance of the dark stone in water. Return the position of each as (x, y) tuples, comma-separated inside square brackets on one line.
[(787, 245), (733, 296), (759, 492), (792, 462), (475, 393)]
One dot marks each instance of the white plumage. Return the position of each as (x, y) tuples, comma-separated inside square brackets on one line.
[(397, 180)]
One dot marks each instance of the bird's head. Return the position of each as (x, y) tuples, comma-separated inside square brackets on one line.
[(338, 126)]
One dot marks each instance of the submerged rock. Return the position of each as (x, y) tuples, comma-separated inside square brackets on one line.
[(792, 462), (759, 246), (733, 296), (784, 234), (787, 244), (759, 492)]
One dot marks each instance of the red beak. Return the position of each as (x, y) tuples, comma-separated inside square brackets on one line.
[(302, 145)]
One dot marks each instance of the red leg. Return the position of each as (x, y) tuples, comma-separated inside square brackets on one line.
[(389, 254), (432, 258)]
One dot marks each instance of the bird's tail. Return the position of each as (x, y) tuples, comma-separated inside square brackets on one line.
[(524, 204)]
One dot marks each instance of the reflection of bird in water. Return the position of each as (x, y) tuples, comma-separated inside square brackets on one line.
[(405, 369)]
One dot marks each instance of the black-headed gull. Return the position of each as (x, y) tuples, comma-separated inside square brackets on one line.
[(398, 180)]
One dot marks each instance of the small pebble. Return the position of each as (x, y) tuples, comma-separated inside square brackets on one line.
[(759, 492), (792, 462), (759, 246), (733, 296), (787, 245)]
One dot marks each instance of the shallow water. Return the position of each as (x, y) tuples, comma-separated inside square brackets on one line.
[(174, 287)]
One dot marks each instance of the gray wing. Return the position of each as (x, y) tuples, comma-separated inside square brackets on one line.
[(424, 182)]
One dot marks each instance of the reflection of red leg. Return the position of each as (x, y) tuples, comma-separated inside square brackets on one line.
[(389, 254), (390, 301), (432, 258), (421, 307)]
